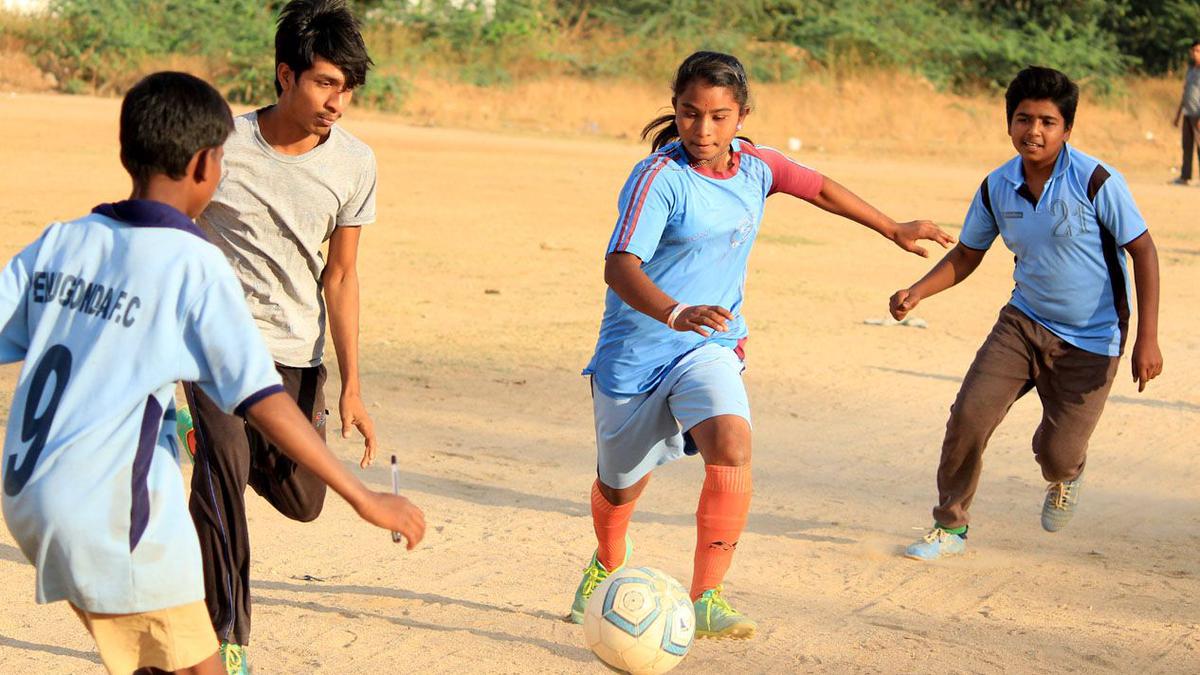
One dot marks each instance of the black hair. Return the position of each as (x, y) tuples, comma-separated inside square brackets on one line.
[(1194, 43), (716, 70), (165, 120), (1043, 84), (325, 28)]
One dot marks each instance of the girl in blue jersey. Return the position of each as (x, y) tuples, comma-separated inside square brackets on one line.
[(666, 374)]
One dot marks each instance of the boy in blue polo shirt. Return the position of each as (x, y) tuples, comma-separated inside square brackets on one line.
[(1069, 219), (108, 312)]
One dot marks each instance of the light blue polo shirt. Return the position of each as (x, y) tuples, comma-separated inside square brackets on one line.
[(693, 230), (1070, 269), (108, 312)]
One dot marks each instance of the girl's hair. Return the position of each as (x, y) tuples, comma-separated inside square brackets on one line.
[(716, 70)]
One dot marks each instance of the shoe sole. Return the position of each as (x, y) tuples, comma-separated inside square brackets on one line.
[(575, 618), (738, 632), (1057, 527), (943, 555)]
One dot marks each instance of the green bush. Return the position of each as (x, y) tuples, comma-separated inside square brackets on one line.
[(108, 43), (104, 45)]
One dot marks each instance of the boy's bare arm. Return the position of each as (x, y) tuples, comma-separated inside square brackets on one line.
[(623, 273), (1147, 360), (840, 201), (340, 281), (955, 266), (278, 418)]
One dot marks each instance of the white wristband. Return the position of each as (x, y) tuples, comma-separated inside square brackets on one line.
[(675, 312)]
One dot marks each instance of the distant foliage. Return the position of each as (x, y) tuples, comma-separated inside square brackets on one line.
[(1156, 32), (105, 45)]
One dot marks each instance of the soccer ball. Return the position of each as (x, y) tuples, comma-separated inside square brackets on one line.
[(640, 620)]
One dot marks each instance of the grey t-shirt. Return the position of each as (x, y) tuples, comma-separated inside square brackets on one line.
[(271, 214), (1191, 92)]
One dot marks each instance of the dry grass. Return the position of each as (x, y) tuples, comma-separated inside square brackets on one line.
[(17, 70), (871, 115)]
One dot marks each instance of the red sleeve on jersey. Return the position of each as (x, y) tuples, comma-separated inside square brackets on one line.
[(787, 176)]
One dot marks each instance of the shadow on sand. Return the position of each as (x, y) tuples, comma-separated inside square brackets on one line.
[(558, 649), (11, 643), (492, 495), (1183, 406)]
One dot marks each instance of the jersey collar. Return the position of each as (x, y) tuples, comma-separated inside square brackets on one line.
[(735, 162), (1014, 174), (149, 213)]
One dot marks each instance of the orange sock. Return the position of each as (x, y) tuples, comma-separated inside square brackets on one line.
[(611, 523), (720, 517)]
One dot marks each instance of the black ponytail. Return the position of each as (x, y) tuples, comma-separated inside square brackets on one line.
[(716, 70)]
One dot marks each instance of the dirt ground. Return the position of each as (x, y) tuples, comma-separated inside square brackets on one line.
[(482, 295)]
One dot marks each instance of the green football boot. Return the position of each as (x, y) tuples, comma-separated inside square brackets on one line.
[(593, 575), (716, 619), (234, 658), (186, 431)]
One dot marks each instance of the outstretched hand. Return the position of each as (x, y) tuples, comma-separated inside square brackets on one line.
[(907, 234), (354, 414), (395, 513), (902, 302)]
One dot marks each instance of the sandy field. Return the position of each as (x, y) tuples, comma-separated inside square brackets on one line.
[(482, 295)]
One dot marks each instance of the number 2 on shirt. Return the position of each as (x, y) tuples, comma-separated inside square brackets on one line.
[(1062, 219), (56, 361)]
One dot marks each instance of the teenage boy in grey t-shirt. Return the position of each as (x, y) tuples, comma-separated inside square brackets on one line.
[(1189, 114), (293, 181)]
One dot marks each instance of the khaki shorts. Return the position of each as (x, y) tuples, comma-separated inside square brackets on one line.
[(168, 639)]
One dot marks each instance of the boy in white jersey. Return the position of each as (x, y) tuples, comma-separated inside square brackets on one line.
[(113, 309), (294, 180)]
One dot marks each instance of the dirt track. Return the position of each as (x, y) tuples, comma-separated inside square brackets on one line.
[(482, 294)]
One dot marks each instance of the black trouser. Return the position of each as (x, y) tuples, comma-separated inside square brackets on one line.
[(1188, 127), (231, 454)]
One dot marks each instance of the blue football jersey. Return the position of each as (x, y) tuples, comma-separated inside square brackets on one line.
[(1070, 272), (108, 312), (693, 230)]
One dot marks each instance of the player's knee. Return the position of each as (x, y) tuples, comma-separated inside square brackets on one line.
[(734, 457), (973, 416), (1058, 463), (306, 512), (724, 440), (731, 452)]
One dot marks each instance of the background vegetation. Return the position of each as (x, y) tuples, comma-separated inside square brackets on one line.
[(958, 45)]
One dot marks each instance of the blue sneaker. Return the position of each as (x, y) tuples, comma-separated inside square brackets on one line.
[(1060, 503), (937, 543)]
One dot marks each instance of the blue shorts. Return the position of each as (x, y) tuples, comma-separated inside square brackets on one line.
[(635, 434)]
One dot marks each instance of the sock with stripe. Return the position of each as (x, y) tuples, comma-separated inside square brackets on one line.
[(720, 518)]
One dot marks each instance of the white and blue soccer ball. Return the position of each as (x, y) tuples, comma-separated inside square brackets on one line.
[(640, 620)]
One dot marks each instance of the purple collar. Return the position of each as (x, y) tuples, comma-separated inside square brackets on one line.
[(149, 213)]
